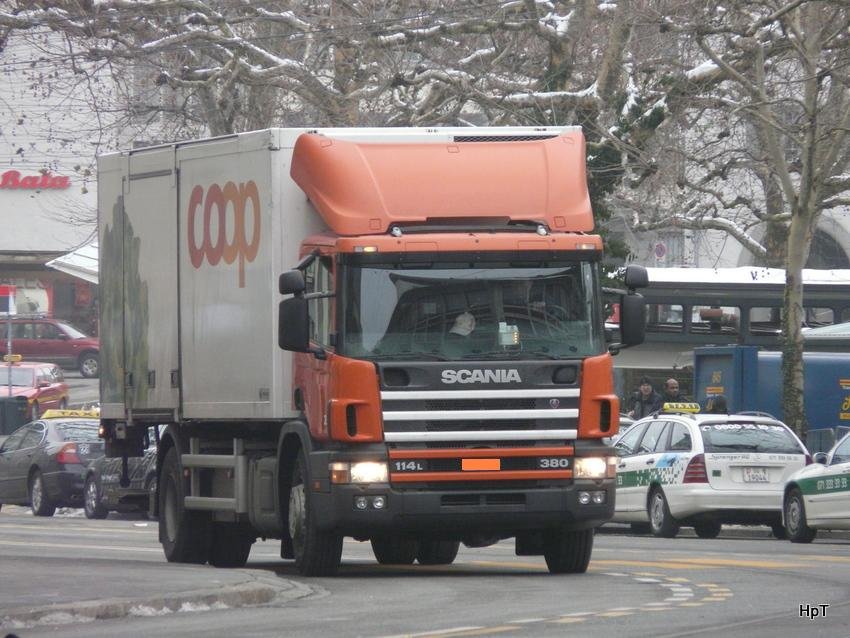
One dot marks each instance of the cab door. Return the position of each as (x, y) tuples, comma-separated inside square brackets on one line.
[(640, 466), (312, 373), (830, 504), (625, 448)]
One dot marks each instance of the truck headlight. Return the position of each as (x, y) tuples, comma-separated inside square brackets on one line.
[(591, 467), (362, 472), (369, 472)]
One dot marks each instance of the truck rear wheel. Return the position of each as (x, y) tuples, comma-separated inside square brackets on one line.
[(317, 553), (568, 552), (231, 545), (185, 535), (434, 552), (393, 550)]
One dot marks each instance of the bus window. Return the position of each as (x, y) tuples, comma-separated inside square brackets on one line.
[(664, 317), (715, 320), (814, 317), (766, 321)]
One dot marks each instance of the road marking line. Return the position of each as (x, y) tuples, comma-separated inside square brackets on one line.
[(615, 614), (69, 546), (568, 620)]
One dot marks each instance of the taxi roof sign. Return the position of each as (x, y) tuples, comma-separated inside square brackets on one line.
[(680, 407), (60, 414), (13, 358)]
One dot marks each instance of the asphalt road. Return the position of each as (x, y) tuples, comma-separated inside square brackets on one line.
[(61, 573), (81, 391)]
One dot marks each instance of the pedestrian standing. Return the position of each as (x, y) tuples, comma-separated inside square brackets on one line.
[(646, 401)]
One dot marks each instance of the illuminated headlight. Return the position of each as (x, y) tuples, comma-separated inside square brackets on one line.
[(591, 467), (369, 472)]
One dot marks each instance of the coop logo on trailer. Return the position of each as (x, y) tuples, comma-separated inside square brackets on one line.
[(236, 211)]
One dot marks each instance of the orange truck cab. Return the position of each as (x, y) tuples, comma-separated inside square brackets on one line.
[(440, 376)]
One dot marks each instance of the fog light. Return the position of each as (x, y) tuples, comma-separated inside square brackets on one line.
[(379, 502), (584, 498), (599, 498), (361, 502)]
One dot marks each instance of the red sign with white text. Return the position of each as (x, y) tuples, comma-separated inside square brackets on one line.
[(13, 180)]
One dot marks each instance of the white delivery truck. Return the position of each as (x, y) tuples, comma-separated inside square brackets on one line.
[(284, 304)]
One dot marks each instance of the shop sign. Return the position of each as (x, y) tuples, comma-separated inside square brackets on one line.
[(13, 180)]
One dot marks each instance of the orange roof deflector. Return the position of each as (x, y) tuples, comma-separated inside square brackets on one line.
[(362, 188)]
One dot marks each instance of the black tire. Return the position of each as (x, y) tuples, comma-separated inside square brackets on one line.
[(89, 364), (661, 522), (437, 552), (778, 531), (317, 553), (394, 550), (640, 528), (707, 529), (568, 552), (35, 411), (40, 501), (231, 544), (185, 535), (92, 501), (796, 527)]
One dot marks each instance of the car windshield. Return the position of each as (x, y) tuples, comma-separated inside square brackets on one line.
[(20, 376), (78, 431), (472, 310), (749, 437), (71, 331)]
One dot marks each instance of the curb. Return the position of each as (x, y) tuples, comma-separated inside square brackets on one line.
[(240, 595), (728, 532)]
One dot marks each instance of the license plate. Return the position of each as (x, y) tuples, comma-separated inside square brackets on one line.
[(755, 475)]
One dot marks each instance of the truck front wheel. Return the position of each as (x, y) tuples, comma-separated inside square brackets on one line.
[(394, 550), (231, 545), (435, 552), (317, 553), (568, 552), (185, 535)]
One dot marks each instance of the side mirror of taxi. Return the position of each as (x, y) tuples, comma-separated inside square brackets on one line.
[(820, 457)]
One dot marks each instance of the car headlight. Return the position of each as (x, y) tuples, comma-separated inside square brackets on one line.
[(594, 467), (360, 472)]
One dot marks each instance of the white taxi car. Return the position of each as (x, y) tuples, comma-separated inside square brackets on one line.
[(678, 467), (818, 496)]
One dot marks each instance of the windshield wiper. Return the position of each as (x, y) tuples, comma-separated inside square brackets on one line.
[(510, 354), (406, 356)]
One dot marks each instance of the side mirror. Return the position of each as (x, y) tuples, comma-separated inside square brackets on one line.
[(820, 457), (633, 319), (293, 331), (291, 282), (636, 277)]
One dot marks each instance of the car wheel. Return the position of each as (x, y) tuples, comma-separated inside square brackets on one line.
[(568, 552), (778, 531), (661, 521), (35, 412), (185, 535), (317, 553), (708, 529), (795, 519), (89, 364), (40, 502), (92, 504), (394, 550)]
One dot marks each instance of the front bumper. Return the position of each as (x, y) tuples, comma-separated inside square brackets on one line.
[(461, 512)]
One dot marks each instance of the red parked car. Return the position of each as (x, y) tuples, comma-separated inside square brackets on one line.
[(42, 384), (52, 341)]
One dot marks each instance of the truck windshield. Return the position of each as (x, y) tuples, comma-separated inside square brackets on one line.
[(465, 311)]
